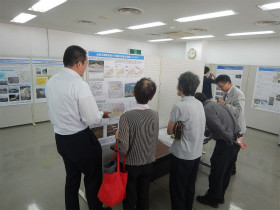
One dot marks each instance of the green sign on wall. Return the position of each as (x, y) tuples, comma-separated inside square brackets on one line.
[(135, 51)]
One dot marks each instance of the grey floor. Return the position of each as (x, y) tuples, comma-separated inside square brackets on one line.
[(32, 173)]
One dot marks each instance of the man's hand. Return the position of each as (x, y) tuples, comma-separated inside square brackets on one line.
[(106, 114), (222, 101), (116, 133), (213, 75), (240, 143)]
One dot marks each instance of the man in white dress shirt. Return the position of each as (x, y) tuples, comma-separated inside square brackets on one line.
[(72, 109)]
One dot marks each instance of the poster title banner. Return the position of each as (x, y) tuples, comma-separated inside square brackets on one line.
[(230, 67), (114, 55), (269, 69)]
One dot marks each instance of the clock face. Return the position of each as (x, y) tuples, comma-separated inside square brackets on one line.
[(192, 53)]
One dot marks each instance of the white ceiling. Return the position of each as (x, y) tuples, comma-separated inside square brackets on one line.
[(66, 16)]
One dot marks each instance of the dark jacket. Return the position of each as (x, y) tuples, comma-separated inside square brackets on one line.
[(221, 122)]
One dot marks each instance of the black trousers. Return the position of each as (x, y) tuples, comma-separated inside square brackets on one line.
[(81, 153), (182, 177), (234, 166), (222, 162), (138, 185)]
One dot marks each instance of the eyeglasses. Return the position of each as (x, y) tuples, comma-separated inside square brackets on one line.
[(221, 85)]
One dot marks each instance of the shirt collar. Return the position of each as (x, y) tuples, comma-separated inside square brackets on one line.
[(72, 72), (187, 98), (141, 107), (229, 90)]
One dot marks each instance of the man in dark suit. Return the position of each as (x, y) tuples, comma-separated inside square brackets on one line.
[(208, 79)]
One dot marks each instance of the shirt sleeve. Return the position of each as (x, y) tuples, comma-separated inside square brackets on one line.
[(175, 114), (236, 107), (88, 109), (123, 137)]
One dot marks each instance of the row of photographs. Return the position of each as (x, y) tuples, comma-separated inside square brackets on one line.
[(271, 100), (115, 69), (19, 93)]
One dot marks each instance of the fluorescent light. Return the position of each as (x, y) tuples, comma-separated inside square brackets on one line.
[(23, 18), (109, 31), (271, 6), (198, 37), (148, 25), (206, 16), (160, 40), (250, 33), (45, 5)]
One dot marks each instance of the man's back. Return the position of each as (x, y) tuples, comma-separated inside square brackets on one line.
[(206, 88), (221, 121), (69, 98)]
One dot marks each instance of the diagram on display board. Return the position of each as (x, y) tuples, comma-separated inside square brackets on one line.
[(267, 90), (15, 81), (112, 78), (234, 72), (43, 70), (115, 89)]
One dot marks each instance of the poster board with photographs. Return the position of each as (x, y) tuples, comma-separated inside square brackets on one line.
[(112, 78), (267, 90), (15, 81), (234, 72), (43, 70)]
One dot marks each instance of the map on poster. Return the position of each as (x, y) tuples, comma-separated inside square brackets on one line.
[(43, 70), (15, 81), (112, 78), (234, 72), (267, 90)]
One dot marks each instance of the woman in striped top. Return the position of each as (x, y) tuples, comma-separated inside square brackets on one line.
[(137, 136)]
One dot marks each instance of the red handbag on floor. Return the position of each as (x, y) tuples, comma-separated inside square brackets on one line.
[(113, 188)]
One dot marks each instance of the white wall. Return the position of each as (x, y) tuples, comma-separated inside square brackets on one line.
[(22, 41), (171, 50), (264, 52), (16, 40)]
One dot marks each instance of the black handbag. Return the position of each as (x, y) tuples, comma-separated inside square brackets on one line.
[(178, 131)]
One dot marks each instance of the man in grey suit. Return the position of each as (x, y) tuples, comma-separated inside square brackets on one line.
[(234, 99), (224, 128)]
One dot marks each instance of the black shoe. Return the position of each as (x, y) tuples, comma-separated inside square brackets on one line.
[(221, 201), (204, 200), (233, 173)]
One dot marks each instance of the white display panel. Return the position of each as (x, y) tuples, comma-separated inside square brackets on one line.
[(112, 78), (43, 70), (234, 72), (15, 81), (267, 90)]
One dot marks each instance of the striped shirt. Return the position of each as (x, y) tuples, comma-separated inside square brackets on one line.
[(138, 136)]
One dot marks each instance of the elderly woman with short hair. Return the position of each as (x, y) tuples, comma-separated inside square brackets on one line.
[(187, 151)]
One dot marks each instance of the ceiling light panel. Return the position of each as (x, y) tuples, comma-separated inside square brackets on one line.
[(198, 37), (250, 33), (271, 6), (147, 25), (109, 32), (23, 18), (45, 5), (206, 16), (160, 40)]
